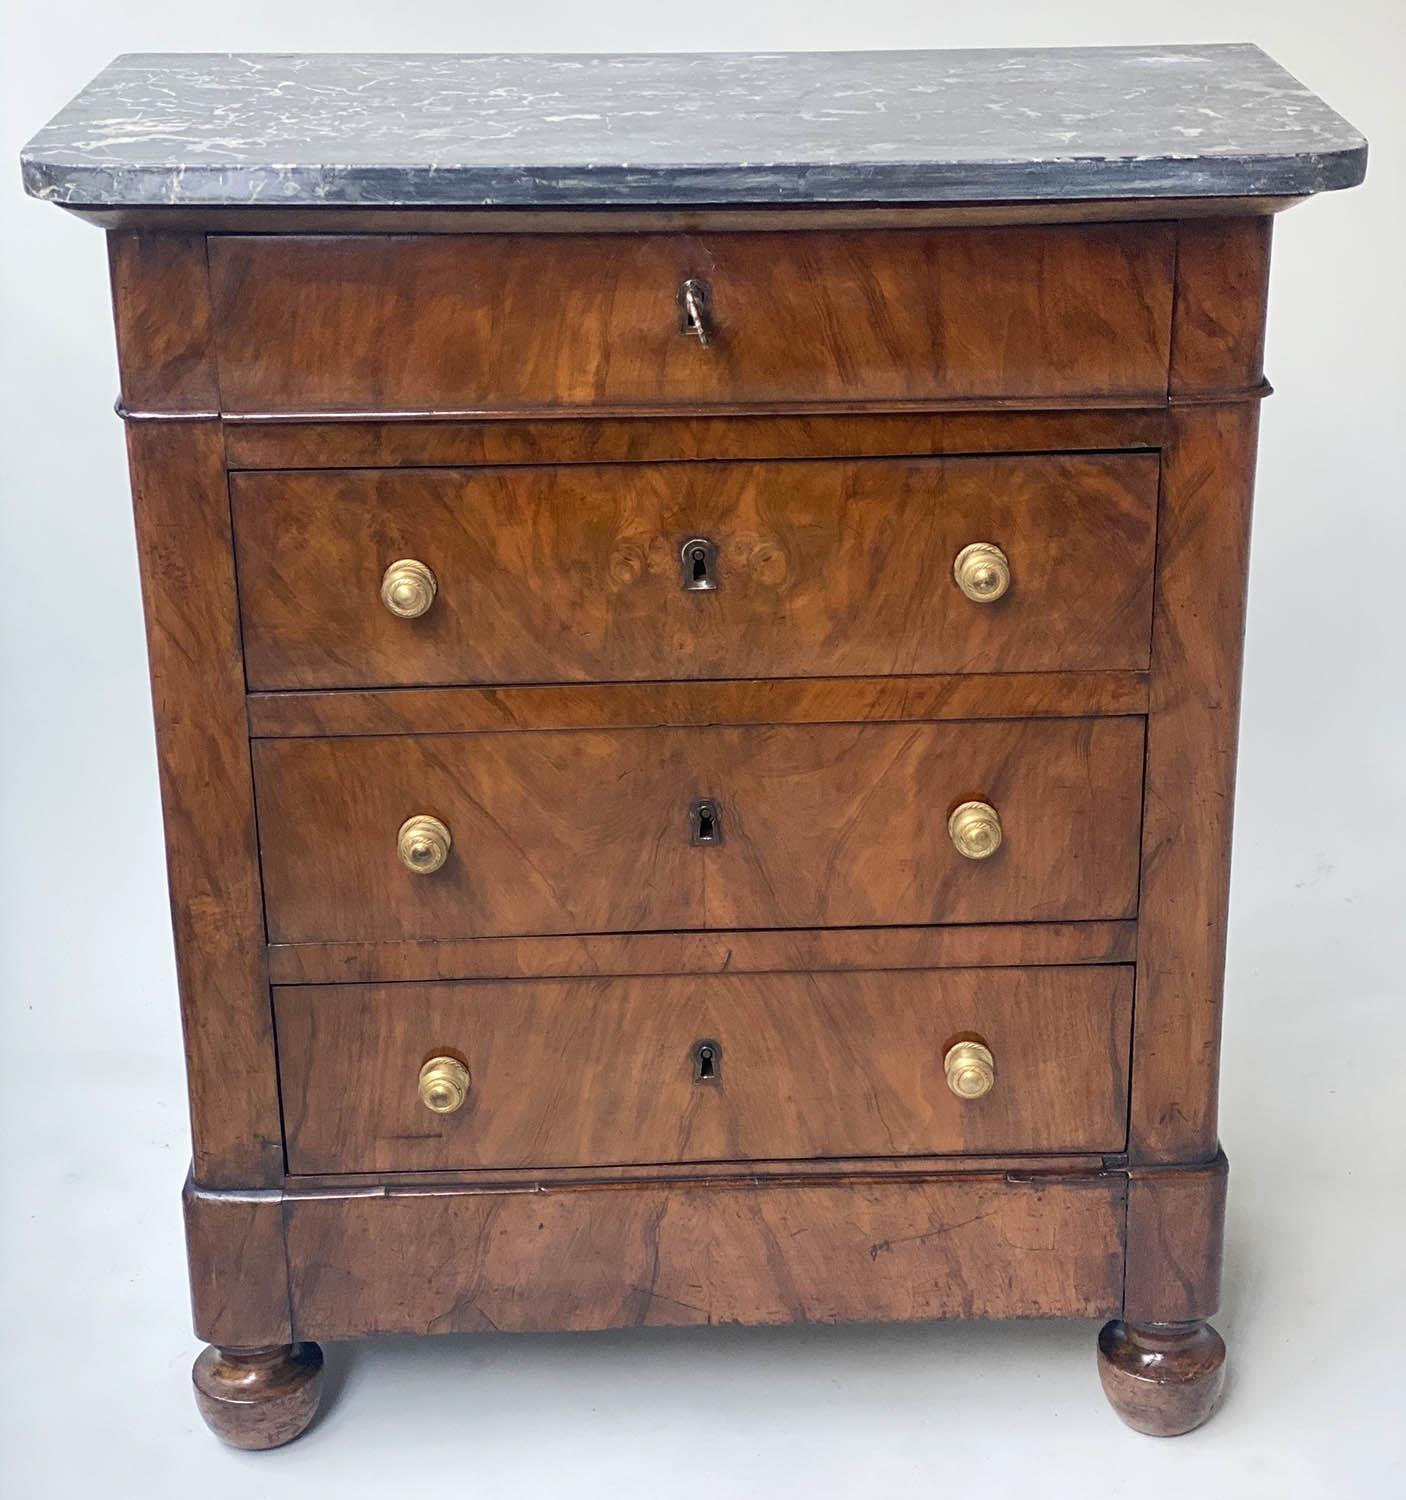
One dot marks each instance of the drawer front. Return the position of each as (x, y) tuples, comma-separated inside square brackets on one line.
[(592, 831), (605, 1071), (579, 573), (497, 322)]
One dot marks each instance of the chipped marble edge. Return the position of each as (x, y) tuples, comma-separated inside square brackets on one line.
[(115, 185)]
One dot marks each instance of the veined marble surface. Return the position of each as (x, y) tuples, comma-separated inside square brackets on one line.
[(713, 128)]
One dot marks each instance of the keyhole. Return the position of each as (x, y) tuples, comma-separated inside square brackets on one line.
[(707, 1062), (698, 561), (705, 822)]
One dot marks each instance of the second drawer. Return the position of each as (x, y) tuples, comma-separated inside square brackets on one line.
[(585, 573), (603, 1071), (666, 829)]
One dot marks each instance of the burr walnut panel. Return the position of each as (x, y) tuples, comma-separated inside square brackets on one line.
[(592, 831), (603, 1071), (339, 323), (576, 573)]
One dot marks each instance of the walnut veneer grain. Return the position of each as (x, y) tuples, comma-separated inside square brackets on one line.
[(575, 573), (589, 831), (316, 323), (805, 1065)]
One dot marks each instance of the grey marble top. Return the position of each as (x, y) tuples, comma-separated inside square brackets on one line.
[(716, 128)]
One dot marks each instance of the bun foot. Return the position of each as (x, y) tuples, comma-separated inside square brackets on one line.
[(258, 1398), (1161, 1378)]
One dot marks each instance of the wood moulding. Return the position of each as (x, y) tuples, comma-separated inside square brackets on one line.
[(1019, 1168), (813, 700), (262, 439), (772, 218), (690, 410), (680, 437), (832, 949)]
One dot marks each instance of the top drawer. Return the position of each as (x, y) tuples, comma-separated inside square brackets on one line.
[(470, 323)]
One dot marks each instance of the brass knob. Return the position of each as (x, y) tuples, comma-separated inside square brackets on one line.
[(423, 844), (975, 830), (970, 1069), (982, 571), (408, 588), (444, 1085)]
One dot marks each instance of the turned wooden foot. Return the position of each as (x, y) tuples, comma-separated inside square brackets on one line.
[(1161, 1378), (258, 1398)]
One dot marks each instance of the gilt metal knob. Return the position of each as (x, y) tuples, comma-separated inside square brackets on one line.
[(975, 830), (982, 571), (970, 1069), (444, 1085), (423, 844), (408, 588)]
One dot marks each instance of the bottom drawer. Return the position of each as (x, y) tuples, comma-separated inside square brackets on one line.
[(597, 1072)]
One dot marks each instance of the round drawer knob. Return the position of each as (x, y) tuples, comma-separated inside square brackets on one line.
[(408, 589), (975, 830), (423, 844), (970, 1069), (444, 1085), (982, 571)]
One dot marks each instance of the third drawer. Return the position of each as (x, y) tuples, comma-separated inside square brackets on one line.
[(685, 1068), (672, 829)]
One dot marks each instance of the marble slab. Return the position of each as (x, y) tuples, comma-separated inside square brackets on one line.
[(715, 128)]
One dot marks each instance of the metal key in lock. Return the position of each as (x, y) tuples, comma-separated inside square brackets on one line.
[(695, 306)]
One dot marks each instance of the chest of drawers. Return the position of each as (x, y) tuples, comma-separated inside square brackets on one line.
[(696, 700)]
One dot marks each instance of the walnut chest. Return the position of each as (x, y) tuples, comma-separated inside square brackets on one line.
[(696, 661)]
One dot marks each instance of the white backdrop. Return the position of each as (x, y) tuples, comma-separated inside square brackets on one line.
[(97, 1345)]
